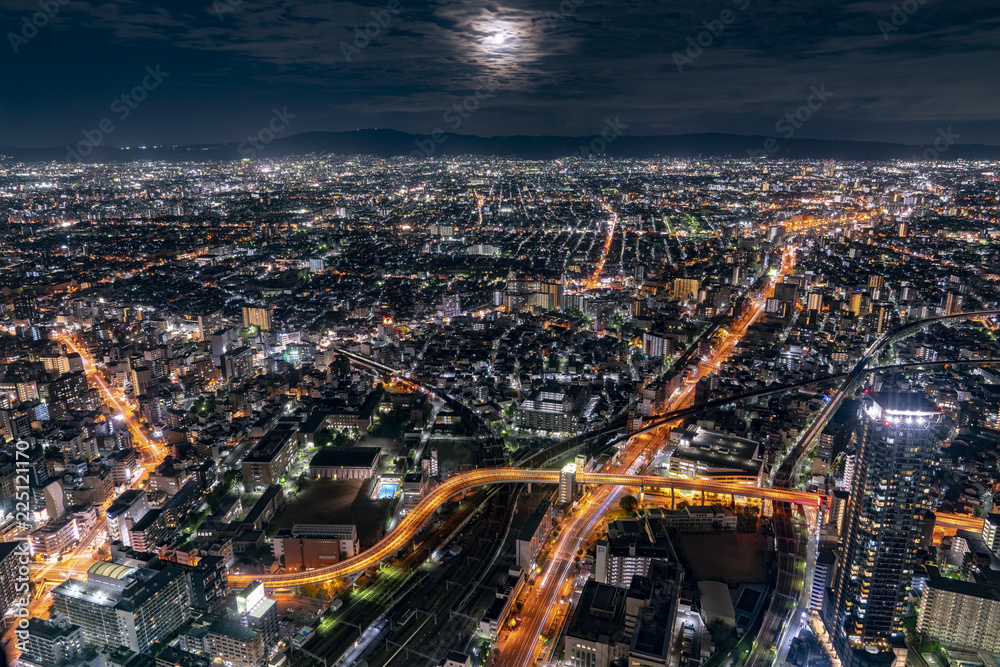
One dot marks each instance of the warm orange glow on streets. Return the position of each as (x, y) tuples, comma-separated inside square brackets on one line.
[(953, 522), (521, 645), (412, 522), (595, 279), (76, 564)]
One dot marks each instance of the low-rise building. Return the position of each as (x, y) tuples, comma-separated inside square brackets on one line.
[(631, 545), (345, 462), (414, 487), (554, 408), (174, 657), (13, 556), (149, 531), (702, 454), (456, 659), (51, 643), (54, 537), (308, 546), (257, 612), (131, 506), (596, 626), (696, 519), (498, 611), (235, 644)]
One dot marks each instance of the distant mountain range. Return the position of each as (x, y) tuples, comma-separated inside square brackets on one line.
[(390, 143)]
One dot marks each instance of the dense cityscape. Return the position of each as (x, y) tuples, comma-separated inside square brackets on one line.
[(357, 410)]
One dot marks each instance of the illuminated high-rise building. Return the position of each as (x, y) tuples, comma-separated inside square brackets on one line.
[(257, 317), (124, 605), (884, 520), (815, 301), (685, 288), (952, 304), (567, 480)]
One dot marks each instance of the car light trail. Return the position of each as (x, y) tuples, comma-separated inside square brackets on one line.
[(412, 522)]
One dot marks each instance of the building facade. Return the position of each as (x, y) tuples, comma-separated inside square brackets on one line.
[(532, 536), (960, 614), (884, 517), (121, 605)]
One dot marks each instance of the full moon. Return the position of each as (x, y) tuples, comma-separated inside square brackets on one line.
[(498, 38)]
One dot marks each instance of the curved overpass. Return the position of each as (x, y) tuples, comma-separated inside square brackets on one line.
[(412, 522)]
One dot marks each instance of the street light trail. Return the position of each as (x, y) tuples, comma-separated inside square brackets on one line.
[(411, 524)]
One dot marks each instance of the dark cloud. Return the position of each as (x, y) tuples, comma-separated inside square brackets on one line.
[(555, 68)]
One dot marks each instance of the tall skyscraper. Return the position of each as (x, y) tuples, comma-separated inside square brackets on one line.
[(884, 518)]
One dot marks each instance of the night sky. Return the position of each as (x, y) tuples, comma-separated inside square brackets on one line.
[(553, 69)]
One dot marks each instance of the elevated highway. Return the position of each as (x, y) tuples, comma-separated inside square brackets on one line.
[(953, 522), (412, 523)]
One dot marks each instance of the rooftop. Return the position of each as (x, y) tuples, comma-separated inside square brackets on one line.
[(233, 630), (346, 457), (600, 612), (110, 570), (908, 403), (531, 526), (717, 451)]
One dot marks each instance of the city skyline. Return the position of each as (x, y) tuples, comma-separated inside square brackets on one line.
[(499, 410), (499, 333)]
